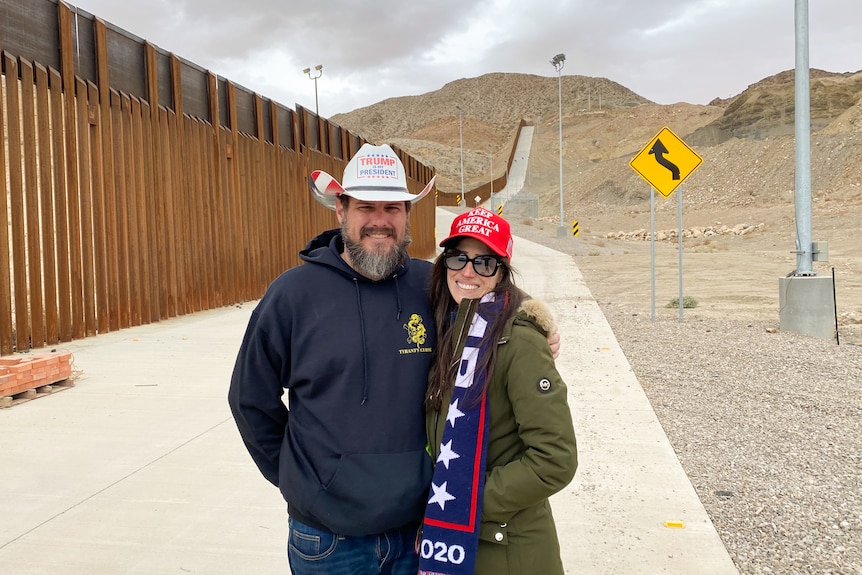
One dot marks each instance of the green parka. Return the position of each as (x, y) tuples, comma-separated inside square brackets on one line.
[(532, 452)]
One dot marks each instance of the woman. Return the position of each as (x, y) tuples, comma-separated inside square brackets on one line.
[(499, 427)]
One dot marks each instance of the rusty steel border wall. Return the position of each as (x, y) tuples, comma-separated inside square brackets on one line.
[(139, 186)]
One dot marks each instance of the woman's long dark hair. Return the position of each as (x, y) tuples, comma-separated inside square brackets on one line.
[(443, 307)]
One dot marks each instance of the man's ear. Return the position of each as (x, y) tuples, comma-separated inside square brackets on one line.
[(339, 211)]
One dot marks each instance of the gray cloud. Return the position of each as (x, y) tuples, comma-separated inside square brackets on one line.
[(665, 50)]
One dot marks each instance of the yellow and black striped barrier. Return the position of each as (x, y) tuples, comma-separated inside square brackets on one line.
[(458, 203), (500, 210), (575, 229)]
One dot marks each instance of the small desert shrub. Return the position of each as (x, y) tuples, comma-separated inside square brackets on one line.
[(595, 253), (688, 302)]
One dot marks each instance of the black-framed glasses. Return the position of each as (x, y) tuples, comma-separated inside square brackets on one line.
[(485, 265)]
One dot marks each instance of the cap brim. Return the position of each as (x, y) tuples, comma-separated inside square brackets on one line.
[(479, 237)]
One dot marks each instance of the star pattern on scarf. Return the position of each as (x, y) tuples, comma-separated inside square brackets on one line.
[(454, 413), (446, 454), (441, 496)]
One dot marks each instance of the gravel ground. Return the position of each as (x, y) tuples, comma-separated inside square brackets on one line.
[(767, 425)]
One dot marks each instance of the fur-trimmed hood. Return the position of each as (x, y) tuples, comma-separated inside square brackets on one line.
[(540, 313)]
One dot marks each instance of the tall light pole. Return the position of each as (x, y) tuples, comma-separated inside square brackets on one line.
[(558, 62), (318, 72), (461, 144)]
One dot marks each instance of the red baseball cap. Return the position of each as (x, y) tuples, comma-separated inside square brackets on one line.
[(485, 226)]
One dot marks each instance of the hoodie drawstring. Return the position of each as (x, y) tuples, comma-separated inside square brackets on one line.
[(364, 347), (397, 299), (362, 331)]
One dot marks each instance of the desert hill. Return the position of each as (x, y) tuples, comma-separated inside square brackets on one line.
[(492, 105), (746, 141), (766, 109)]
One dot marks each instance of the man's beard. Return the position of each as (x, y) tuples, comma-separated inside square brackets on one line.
[(373, 264)]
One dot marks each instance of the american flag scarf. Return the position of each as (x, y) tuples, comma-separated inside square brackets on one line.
[(450, 531)]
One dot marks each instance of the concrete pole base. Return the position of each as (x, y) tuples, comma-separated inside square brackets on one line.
[(807, 306)]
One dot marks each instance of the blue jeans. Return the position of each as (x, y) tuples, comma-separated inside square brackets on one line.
[(311, 551)]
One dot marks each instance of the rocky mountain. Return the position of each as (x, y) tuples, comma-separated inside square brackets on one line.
[(766, 109), (747, 142)]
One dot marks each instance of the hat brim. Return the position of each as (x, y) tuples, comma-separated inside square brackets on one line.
[(326, 189), (390, 195), (454, 239)]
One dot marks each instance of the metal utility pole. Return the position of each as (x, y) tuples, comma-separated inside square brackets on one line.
[(803, 145), (806, 301)]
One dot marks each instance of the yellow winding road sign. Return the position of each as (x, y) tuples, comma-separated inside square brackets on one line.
[(665, 162)]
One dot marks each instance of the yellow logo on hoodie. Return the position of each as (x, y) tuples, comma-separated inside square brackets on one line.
[(416, 334)]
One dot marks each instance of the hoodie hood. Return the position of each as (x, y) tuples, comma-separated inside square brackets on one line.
[(326, 249)]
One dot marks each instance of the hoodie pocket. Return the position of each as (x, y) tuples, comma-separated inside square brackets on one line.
[(372, 492)]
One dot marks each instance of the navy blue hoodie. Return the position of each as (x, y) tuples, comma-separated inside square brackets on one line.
[(353, 354)]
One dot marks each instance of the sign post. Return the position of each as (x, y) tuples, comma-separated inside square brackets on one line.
[(665, 163)]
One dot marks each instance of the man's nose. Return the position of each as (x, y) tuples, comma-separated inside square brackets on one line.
[(379, 217)]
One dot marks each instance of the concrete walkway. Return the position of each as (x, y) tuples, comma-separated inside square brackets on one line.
[(139, 469)]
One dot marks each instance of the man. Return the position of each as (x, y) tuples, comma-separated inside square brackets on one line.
[(350, 336)]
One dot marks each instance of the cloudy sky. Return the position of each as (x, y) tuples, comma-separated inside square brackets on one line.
[(665, 50)]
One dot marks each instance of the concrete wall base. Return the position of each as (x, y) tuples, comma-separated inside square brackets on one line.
[(807, 306)]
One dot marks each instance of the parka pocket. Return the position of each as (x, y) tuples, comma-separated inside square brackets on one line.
[(497, 533), (494, 551)]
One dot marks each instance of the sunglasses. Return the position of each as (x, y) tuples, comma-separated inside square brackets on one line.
[(485, 266)]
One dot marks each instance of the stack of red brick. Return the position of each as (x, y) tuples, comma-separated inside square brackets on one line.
[(20, 373)]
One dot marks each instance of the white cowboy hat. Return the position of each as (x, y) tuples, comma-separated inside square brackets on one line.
[(374, 174)]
